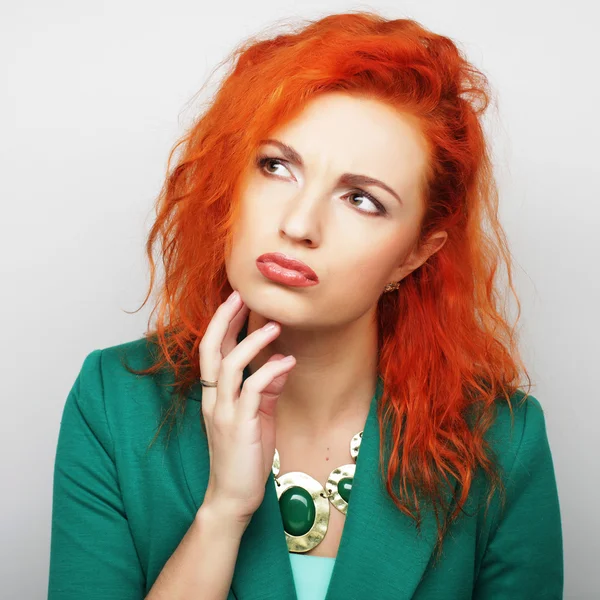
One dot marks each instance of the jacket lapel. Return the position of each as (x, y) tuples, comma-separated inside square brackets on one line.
[(381, 554)]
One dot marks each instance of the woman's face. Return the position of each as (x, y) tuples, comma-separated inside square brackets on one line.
[(297, 198)]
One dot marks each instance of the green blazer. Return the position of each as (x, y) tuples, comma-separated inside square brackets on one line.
[(120, 510)]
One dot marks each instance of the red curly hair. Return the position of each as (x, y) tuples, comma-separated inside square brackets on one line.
[(447, 351)]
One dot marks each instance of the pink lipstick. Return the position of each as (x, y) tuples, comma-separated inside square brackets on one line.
[(283, 269)]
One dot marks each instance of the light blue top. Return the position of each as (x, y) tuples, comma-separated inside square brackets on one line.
[(311, 575)]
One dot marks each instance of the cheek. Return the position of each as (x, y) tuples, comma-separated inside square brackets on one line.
[(234, 265), (369, 263), (355, 280), (248, 235), (366, 271)]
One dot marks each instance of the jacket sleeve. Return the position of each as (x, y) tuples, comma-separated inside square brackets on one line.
[(524, 556), (92, 553)]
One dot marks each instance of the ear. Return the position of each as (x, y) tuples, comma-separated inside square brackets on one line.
[(420, 255)]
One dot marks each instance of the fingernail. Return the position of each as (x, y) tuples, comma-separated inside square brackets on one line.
[(288, 359), (233, 297), (270, 326)]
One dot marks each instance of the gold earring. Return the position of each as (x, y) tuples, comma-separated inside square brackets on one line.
[(391, 286)]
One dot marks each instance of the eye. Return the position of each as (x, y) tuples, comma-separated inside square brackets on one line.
[(263, 161), (379, 208)]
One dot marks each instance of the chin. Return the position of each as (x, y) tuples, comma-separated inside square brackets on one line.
[(277, 303)]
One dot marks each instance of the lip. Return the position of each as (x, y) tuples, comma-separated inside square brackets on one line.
[(291, 270)]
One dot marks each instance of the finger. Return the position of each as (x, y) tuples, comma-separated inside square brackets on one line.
[(235, 326), (262, 389), (210, 346), (212, 340), (233, 365)]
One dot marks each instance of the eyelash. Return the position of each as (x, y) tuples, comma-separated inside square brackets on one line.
[(262, 160)]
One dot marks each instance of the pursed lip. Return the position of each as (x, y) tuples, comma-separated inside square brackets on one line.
[(289, 263)]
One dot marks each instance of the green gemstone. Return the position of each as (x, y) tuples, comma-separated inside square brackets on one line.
[(298, 510), (345, 487)]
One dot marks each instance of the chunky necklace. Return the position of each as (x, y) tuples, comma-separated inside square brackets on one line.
[(304, 502)]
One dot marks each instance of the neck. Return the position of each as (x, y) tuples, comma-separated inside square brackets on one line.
[(334, 378)]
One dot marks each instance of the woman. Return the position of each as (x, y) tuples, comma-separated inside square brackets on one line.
[(328, 324)]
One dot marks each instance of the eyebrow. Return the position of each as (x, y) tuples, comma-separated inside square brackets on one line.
[(352, 179)]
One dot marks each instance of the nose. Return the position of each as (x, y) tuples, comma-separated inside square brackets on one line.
[(302, 219)]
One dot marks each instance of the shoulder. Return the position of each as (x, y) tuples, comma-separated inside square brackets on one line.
[(106, 389), (521, 450), (525, 526), (107, 370), (518, 431), (138, 353)]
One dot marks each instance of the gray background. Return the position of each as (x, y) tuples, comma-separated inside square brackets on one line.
[(94, 94)]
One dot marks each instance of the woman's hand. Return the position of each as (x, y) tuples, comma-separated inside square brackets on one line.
[(240, 424)]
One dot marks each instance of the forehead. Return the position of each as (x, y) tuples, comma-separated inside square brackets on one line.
[(338, 131)]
